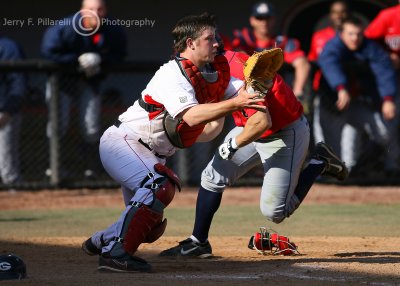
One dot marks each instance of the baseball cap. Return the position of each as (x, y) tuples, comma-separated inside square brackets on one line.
[(263, 10)]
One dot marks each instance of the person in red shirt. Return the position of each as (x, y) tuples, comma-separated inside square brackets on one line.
[(279, 138), (339, 11), (385, 28), (262, 36)]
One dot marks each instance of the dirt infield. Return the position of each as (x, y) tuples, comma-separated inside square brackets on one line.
[(327, 260)]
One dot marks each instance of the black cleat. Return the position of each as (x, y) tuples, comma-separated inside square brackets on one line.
[(89, 248), (126, 264), (189, 248), (333, 165)]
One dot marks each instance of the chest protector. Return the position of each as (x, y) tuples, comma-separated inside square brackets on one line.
[(178, 131)]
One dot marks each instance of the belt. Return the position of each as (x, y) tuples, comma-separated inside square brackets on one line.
[(149, 148), (117, 123)]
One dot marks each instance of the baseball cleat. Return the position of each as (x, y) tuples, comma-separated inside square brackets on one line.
[(89, 248), (189, 248), (123, 264), (333, 165)]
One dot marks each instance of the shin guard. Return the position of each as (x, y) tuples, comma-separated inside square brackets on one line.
[(145, 223)]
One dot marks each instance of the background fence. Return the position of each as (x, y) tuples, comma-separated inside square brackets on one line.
[(61, 161)]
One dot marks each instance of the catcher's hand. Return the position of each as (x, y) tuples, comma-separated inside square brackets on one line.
[(260, 69), (226, 150)]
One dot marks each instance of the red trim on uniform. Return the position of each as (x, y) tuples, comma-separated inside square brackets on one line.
[(147, 98)]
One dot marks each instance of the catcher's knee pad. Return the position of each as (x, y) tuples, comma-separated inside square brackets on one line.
[(144, 223)]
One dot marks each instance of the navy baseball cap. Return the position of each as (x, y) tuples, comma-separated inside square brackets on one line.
[(263, 10)]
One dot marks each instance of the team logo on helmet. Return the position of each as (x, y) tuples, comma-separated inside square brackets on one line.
[(4, 266)]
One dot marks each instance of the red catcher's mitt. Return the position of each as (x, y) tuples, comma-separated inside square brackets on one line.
[(271, 242)]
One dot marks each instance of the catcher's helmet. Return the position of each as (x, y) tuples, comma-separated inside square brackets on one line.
[(11, 267)]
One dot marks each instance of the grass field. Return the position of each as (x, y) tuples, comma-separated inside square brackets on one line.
[(310, 220)]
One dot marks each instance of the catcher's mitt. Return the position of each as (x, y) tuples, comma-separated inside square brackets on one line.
[(260, 69), (271, 242)]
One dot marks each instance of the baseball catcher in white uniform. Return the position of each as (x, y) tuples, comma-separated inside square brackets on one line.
[(183, 103)]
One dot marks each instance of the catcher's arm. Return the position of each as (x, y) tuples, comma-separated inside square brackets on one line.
[(207, 112)]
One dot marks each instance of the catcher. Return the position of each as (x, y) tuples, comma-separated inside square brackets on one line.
[(278, 138)]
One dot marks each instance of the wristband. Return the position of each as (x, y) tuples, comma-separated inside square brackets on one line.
[(233, 143)]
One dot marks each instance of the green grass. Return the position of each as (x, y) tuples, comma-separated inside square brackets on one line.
[(309, 220)]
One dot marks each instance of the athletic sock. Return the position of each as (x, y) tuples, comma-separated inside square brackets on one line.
[(307, 178), (207, 204)]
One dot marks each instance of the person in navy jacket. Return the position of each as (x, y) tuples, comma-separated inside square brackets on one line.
[(12, 92), (89, 40), (358, 87)]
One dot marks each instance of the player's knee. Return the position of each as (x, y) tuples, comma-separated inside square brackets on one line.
[(211, 181), (272, 214), (212, 187)]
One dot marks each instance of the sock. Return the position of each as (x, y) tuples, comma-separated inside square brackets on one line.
[(206, 206), (307, 178)]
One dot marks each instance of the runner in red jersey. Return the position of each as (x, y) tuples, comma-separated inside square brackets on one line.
[(278, 139)]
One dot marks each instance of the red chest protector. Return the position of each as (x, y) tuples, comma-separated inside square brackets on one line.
[(178, 131)]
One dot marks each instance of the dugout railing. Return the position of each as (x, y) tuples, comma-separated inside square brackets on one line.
[(57, 162)]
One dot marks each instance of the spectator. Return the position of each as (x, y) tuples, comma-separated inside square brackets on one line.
[(262, 36), (385, 28), (354, 95), (12, 91), (338, 12), (90, 47)]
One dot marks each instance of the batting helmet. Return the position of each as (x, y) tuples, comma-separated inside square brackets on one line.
[(12, 267)]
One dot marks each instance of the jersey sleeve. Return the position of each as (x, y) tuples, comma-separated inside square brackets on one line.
[(330, 63), (312, 54), (377, 28), (170, 88)]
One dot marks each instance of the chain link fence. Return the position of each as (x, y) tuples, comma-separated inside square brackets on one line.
[(62, 160)]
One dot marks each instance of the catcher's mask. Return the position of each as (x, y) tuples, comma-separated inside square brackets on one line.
[(269, 241), (12, 267)]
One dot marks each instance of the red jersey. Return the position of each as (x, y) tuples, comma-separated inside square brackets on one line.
[(318, 41), (386, 28), (282, 104), (244, 40)]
